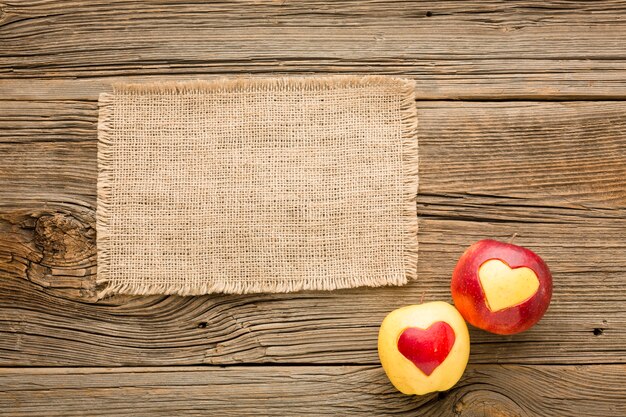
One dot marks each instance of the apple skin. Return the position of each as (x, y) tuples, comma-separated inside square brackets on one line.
[(401, 371), (469, 297)]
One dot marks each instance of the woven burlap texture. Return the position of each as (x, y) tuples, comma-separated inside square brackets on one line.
[(257, 185)]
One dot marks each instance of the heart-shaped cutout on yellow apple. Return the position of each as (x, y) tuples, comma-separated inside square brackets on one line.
[(504, 286), (424, 348)]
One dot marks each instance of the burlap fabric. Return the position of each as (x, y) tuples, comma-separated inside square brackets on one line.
[(257, 185)]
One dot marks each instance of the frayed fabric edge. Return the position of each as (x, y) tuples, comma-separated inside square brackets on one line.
[(248, 84), (105, 121), (410, 169), (244, 287)]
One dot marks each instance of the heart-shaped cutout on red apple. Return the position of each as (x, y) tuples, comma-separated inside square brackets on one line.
[(427, 348), (505, 287)]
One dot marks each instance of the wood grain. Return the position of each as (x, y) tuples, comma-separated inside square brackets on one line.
[(321, 390), (551, 172), (553, 154), (452, 49)]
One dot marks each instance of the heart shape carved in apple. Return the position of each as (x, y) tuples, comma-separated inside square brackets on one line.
[(504, 286), (427, 348)]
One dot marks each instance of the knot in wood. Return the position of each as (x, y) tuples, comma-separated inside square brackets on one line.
[(483, 402), (63, 239)]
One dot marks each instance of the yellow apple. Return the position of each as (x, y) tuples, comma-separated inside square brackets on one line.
[(424, 348)]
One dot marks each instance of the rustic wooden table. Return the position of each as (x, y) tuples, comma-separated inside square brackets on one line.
[(522, 130)]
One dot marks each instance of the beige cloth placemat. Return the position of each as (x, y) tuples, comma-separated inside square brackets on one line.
[(257, 185)]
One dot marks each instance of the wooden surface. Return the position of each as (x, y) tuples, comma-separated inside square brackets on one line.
[(534, 143), (498, 390)]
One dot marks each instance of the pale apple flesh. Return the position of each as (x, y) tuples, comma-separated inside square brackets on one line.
[(505, 287), (424, 348), (501, 287)]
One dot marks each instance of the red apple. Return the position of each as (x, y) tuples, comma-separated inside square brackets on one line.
[(501, 287)]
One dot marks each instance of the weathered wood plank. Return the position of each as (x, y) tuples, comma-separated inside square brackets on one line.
[(453, 49), (311, 12), (41, 327), (552, 154), (551, 172), (321, 390)]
